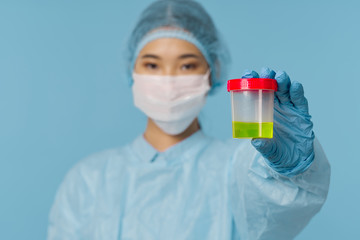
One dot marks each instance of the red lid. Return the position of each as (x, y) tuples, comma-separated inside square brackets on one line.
[(252, 84)]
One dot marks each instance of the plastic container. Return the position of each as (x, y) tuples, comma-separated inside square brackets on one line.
[(252, 103)]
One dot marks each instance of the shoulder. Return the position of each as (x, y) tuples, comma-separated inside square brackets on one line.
[(239, 153), (83, 186), (231, 146), (101, 159), (93, 169)]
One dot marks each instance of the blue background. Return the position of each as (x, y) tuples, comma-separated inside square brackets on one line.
[(63, 94)]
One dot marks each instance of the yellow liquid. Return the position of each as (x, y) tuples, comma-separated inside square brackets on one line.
[(252, 130)]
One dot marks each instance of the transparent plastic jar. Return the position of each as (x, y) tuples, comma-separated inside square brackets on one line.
[(252, 103)]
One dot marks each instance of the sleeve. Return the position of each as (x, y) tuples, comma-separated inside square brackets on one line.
[(72, 207), (267, 205)]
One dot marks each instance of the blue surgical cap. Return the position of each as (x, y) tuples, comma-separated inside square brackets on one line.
[(183, 19)]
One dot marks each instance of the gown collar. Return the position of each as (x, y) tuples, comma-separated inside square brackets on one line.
[(147, 153)]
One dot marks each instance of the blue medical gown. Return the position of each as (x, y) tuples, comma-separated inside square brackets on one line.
[(200, 188)]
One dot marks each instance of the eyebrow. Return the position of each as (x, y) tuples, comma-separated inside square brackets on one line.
[(150, 56), (188, 55)]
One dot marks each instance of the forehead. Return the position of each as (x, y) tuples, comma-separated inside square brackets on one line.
[(169, 47)]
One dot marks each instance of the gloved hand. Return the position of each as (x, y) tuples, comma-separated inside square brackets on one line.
[(291, 150)]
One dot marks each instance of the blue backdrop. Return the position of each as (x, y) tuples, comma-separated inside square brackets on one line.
[(63, 94)]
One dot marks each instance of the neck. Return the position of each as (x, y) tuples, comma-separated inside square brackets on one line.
[(161, 140)]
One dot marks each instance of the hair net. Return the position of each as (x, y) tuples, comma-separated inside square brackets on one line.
[(195, 25)]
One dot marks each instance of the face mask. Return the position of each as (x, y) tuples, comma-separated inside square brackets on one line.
[(172, 102)]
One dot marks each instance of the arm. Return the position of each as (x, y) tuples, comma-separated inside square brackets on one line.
[(281, 186)]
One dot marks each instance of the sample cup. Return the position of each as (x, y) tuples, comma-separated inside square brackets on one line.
[(252, 103)]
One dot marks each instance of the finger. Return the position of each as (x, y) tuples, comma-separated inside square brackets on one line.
[(267, 73), (250, 74), (265, 146), (283, 81), (298, 98)]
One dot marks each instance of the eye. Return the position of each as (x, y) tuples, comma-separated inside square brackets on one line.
[(188, 66), (151, 66)]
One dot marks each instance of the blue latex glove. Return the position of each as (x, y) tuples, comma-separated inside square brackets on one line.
[(291, 150)]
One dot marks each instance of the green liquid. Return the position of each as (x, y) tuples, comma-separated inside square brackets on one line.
[(252, 130)]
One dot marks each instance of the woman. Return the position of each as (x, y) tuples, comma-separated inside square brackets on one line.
[(174, 182)]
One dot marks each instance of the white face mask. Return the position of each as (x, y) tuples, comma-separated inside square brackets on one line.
[(172, 102)]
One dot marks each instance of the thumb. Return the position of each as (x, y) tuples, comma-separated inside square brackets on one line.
[(266, 147)]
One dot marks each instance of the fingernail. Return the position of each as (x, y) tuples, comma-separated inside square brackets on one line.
[(250, 74), (267, 73), (258, 142), (280, 74)]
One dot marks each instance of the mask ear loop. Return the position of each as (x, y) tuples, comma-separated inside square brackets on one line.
[(207, 75)]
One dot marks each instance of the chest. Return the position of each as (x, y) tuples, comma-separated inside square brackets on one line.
[(181, 201)]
